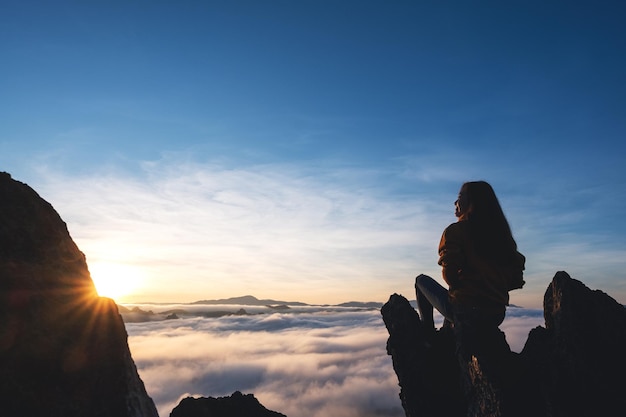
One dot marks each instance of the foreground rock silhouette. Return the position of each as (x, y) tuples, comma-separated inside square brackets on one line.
[(63, 349), (237, 405), (574, 366)]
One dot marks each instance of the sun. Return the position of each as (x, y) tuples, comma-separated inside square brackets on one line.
[(115, 280)]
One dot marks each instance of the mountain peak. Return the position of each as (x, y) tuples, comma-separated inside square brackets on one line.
[(573, 366), (63, 349)]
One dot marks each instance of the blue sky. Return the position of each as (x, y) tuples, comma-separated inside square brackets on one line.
[(312, 150)]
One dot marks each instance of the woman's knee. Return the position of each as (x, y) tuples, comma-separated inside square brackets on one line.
[(421, 279)]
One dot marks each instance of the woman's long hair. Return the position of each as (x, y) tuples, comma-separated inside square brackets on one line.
[(489, 229)]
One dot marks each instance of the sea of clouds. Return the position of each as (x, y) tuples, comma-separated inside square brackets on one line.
[(302, 362)]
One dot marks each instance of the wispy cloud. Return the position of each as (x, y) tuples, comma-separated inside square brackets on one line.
[(307, 364), (264, 229), (317, 231)]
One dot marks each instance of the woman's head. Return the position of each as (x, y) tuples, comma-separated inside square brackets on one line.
[(478, 204), (477, 199)]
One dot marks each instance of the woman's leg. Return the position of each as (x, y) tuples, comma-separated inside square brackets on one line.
[(431, 294)]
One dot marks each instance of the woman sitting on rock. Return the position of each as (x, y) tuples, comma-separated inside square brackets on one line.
[(480, 264)]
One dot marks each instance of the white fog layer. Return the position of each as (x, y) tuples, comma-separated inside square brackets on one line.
[(307, 362)]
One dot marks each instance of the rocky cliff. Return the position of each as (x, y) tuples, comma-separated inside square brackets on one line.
[(63, 349), (237, 405), (574, 366)]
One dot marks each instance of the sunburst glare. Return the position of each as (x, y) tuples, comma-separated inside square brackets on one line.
[(116, 281)]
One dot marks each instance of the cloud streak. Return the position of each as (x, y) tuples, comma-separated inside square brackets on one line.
[(312, 364), (267, 229), (308, 231)]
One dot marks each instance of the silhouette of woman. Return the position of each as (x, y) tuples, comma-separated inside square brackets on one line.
[(480, 263)]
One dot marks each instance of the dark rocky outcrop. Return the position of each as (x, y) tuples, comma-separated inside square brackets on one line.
[(237, 405), (63, 349), (579, 357), (574, 366)]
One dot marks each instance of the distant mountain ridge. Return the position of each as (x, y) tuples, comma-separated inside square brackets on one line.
[(248, 300), (253, 301)]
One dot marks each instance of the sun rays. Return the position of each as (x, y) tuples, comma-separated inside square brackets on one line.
[(114, 280)]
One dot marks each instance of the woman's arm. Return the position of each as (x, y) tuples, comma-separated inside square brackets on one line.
[(451, 254)]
